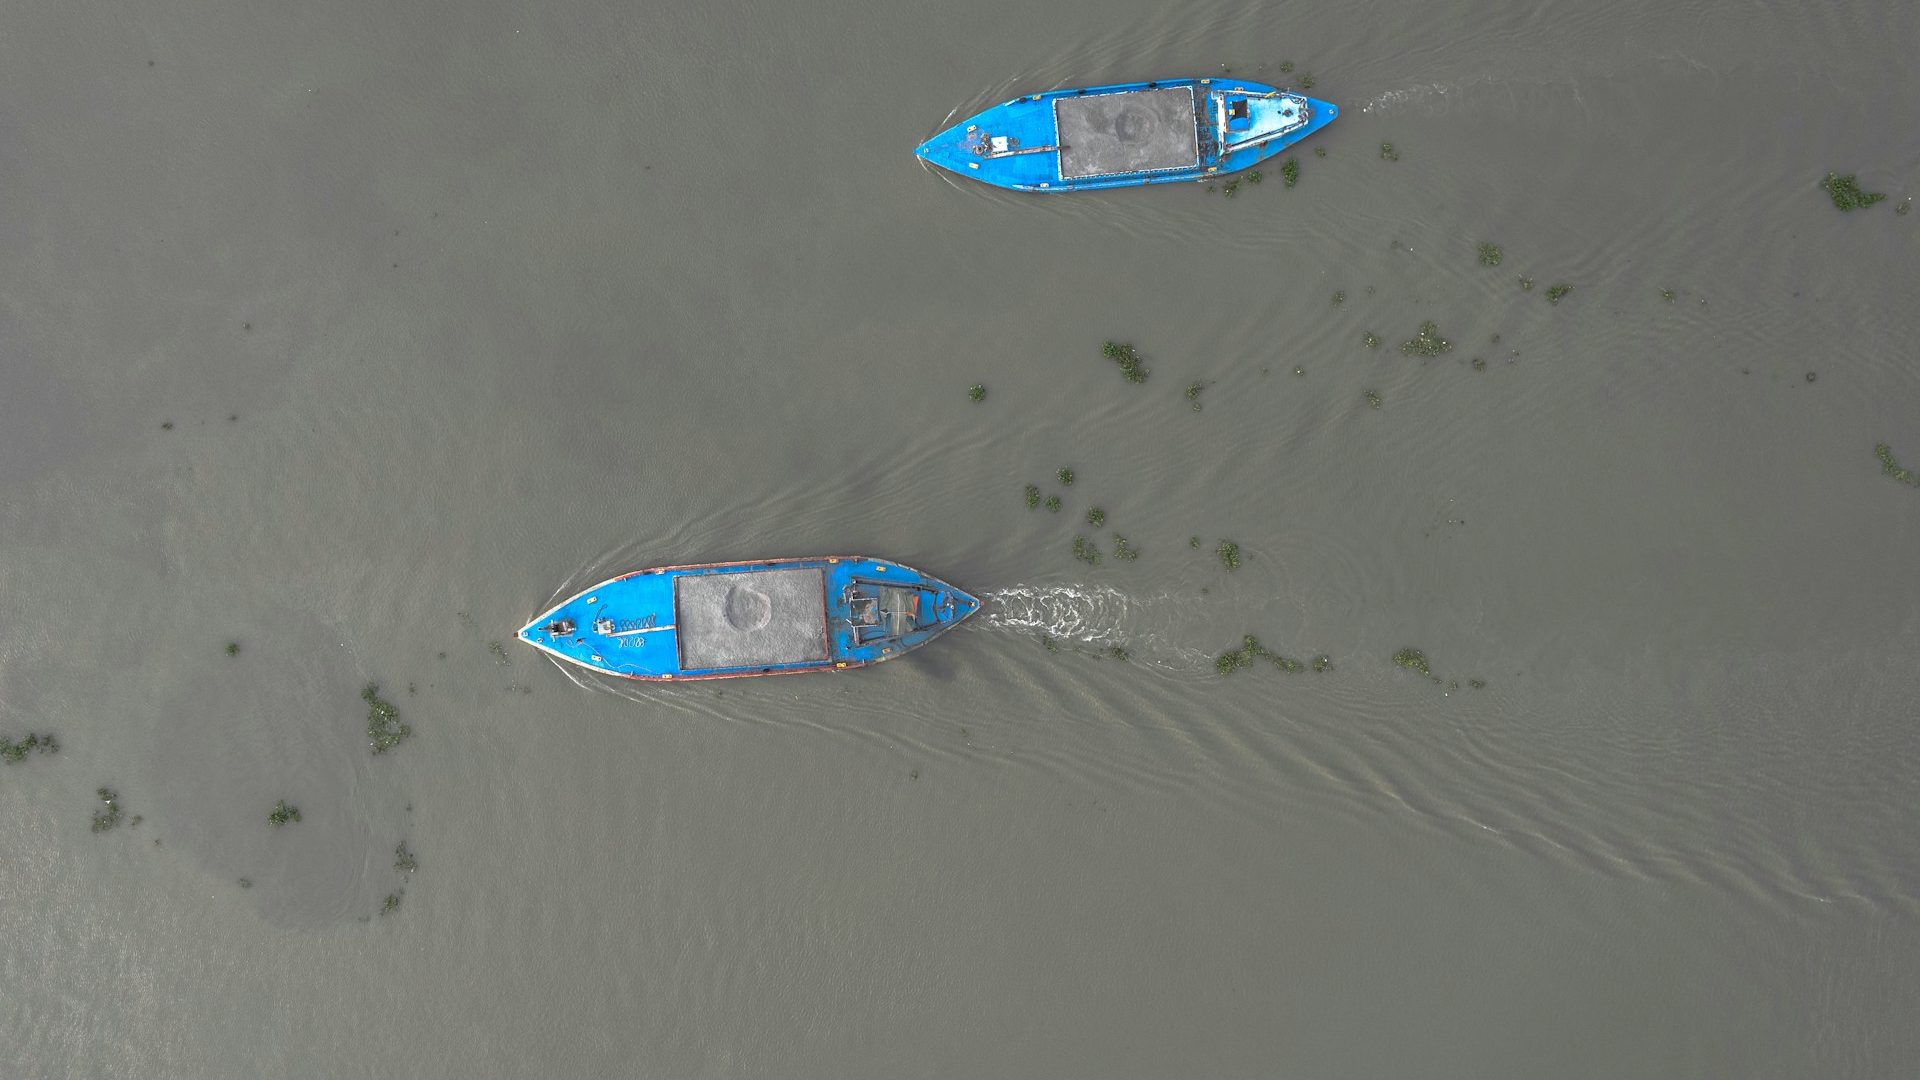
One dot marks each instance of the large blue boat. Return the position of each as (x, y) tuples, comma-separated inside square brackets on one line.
[(768, 617), (1128, 135)]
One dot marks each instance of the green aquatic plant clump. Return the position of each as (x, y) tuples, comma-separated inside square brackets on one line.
[(1388, 153), (1033, 496), (1306, 80), (1413, 660), (109, 817), (233, 648), (1065, 476), (1374, 399), (1123, 550), (1193, 394), (1892, 467), (1323, 662), (1229, 553), (1250, 650), (1490, 254), (403, 859), (282, 814), (1370, 341), (15, 752), (1846, 194), (1096, 517), (1128, 358), (392, 902), (1086, 551), (977, 393), (1526, 284), (1555, 292), (1290, 172), (1427, 342), (1339, 296), (384, 729), (1053, 503)]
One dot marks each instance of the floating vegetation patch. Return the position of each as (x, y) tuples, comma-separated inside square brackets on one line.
[(1129, 360), (1388, 153), (1053, 503), (1231, 187), (1339, 296), (977, 393), (1374, 400), (1479, 363), (1250, 650), (1123, 550), (1891, 466), (1846, 194), (1490, 254), (1413, 660), (1193, 541), (1526, 284), (1051, 645), (13, 753), (1096, 517), (110, 816), (1193, 394), (233, 648), (1033, 496), (1253, 177), (384, 729), (1286, 66), (1668, 295), (1086, 551), (1427, 342), (1555, 292), (1229, 553), (392, 902), (499, 652), (1119, 652), (1323, 662), (1906, 205), (1477, 684), (1370, 340), (1319, 151), (404, 860), (1290, 172), (282, 814), (1065, 476)]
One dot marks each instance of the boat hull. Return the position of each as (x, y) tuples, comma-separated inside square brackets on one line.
[(1127, 135), (750, 618)]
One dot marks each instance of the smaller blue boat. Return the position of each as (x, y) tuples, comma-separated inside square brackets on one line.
[(736, 619), (1128, 135)]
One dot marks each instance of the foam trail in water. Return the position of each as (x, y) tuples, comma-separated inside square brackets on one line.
[(1097, 615)]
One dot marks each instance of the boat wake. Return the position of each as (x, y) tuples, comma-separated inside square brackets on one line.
[(1096, 615)]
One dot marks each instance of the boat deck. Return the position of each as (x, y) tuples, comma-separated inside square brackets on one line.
[(756, 619), (1133, 131)]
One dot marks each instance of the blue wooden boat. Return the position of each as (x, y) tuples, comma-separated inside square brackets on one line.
[(734, 619), (1128, 135)]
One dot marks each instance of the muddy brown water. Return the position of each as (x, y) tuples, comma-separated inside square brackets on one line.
[(353, 334)]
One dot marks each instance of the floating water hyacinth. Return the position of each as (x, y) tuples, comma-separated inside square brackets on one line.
[(1846, 194), (977, 393), (282, 814), (15, 752), (1556, 292), (1374, 400), (1290, 172), (1124, 550), (1490, 255), (1229, 553), (1033, 496), (384, 729), (1388, 153), (1096, 517), (1891, 466), (1065, 476), (1413, 660), (110, 817), (1129, 360), (1086, 551), (1427, 342)]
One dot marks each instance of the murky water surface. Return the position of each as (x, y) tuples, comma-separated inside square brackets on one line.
[(351, 334)]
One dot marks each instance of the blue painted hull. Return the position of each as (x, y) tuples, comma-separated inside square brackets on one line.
[(835, 612), (1018, 145)]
